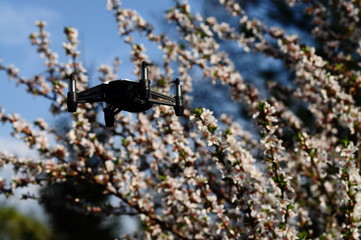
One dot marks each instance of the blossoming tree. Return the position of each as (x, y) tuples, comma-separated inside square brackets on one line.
[(199, 177)]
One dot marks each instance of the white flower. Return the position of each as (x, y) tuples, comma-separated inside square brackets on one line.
[(40, 23), (105, 69), (88, 146), (20, 125), (109, 165), (42, 141), (41, 123), (213, 140), (60, 151), (189, 172), (206, 30)]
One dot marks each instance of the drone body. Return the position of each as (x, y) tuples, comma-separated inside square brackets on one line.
[(124, 95)]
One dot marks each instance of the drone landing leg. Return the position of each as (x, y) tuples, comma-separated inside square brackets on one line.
[(109, 114)]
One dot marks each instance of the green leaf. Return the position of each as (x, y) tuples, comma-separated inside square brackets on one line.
[(305, 49), (212, 129), (299, 135), (261, 106), (227, 131), (182, 153), (283, 226), (345, 142), (340, 66), (197, 111), (67, 30), (124, 142), (313, 152), (162, 177), (302, 235), (290, 207)]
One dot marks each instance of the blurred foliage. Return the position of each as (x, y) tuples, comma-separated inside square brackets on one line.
[(15, 226), (71, 219)]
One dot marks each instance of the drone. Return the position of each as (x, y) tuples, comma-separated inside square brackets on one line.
[(124, 95)]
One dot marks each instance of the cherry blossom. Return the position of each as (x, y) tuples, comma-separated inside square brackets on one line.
[(202, 176)]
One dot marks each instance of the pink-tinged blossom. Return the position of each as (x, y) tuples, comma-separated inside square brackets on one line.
[(202, 176), (109, 165), (40, 122), (2, 183)]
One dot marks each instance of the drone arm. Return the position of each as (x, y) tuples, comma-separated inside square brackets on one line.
[(176, 101), (162, 102), (94, 94), (160, 98)]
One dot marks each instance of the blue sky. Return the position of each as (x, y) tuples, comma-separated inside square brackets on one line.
[(99, 43)]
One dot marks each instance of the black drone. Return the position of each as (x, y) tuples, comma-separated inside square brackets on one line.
[(124, 95)]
